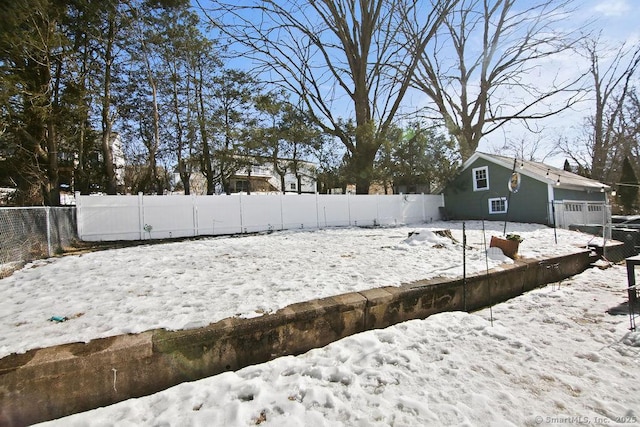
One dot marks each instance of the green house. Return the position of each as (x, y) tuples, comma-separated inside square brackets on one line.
[(499, 188)]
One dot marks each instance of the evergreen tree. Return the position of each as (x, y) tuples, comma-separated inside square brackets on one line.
[(232, 113), (418, 159), (628, 191), (32, 54)]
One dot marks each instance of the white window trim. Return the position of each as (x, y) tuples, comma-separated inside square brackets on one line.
[(475, 181), (506, 205)]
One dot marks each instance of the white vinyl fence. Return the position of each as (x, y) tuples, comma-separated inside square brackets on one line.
[(569, 213), (140, 217)]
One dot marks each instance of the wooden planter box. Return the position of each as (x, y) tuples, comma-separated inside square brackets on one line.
[(509, 247)]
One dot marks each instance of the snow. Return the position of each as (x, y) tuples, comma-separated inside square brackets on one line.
[(553, 353), (190, 284)]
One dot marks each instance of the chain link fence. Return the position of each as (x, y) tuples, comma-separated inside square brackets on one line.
[(629, 238), (27, 234)]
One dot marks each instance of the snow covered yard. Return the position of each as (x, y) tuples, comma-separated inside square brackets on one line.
[(190, 284), (552, 356)]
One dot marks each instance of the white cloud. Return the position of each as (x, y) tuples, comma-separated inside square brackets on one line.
[(612, 7)]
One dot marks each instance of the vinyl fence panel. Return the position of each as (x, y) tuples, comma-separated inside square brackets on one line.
[(334, 211), (159, 217), (431, 205), (217, 215), (260, 212), (299, 211), (165, 217), (412, 208), (364, 210), (109, 218)]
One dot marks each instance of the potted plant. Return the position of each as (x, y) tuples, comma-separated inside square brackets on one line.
[(509, 244), (515, 237)]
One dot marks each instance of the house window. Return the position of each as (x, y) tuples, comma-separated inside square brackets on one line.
[(242, 186), (498, 205), (480, 178), (293, 186)]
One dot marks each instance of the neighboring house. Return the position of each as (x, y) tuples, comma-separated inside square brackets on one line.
[(5, 194), (545, 194), (261, 177), (68, 162), (264, 178), (412, 189)]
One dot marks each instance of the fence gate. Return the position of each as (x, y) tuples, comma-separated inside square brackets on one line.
[(571, 212)]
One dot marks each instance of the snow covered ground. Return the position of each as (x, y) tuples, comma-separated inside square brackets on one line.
[(552, 356), (193, 283)]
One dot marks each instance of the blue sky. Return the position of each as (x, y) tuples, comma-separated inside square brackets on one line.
[(617, 22)]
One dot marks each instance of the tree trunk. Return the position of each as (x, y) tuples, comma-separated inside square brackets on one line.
[(107, 152), (153, 152), (249, 179), (599, 150), (53, 193), (53, 184), (33, 183), (185, 176), (80, 178), (183, 169), (361, 165), (207, 169)]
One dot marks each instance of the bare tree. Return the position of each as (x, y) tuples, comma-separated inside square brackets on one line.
[(632, 127), (611, 88), (533, 150), (340, 58), (610, 133), (107, 115), (479, 73)]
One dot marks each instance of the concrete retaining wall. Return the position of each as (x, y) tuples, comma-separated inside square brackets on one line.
[(49, 383)]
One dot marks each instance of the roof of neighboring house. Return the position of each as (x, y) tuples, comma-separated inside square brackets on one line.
[(541, 172)]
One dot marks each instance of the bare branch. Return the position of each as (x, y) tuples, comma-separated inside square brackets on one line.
[(486, 85), (343, 59), (611, 88)]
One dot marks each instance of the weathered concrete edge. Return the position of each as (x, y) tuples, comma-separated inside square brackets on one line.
[(50, 383)]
